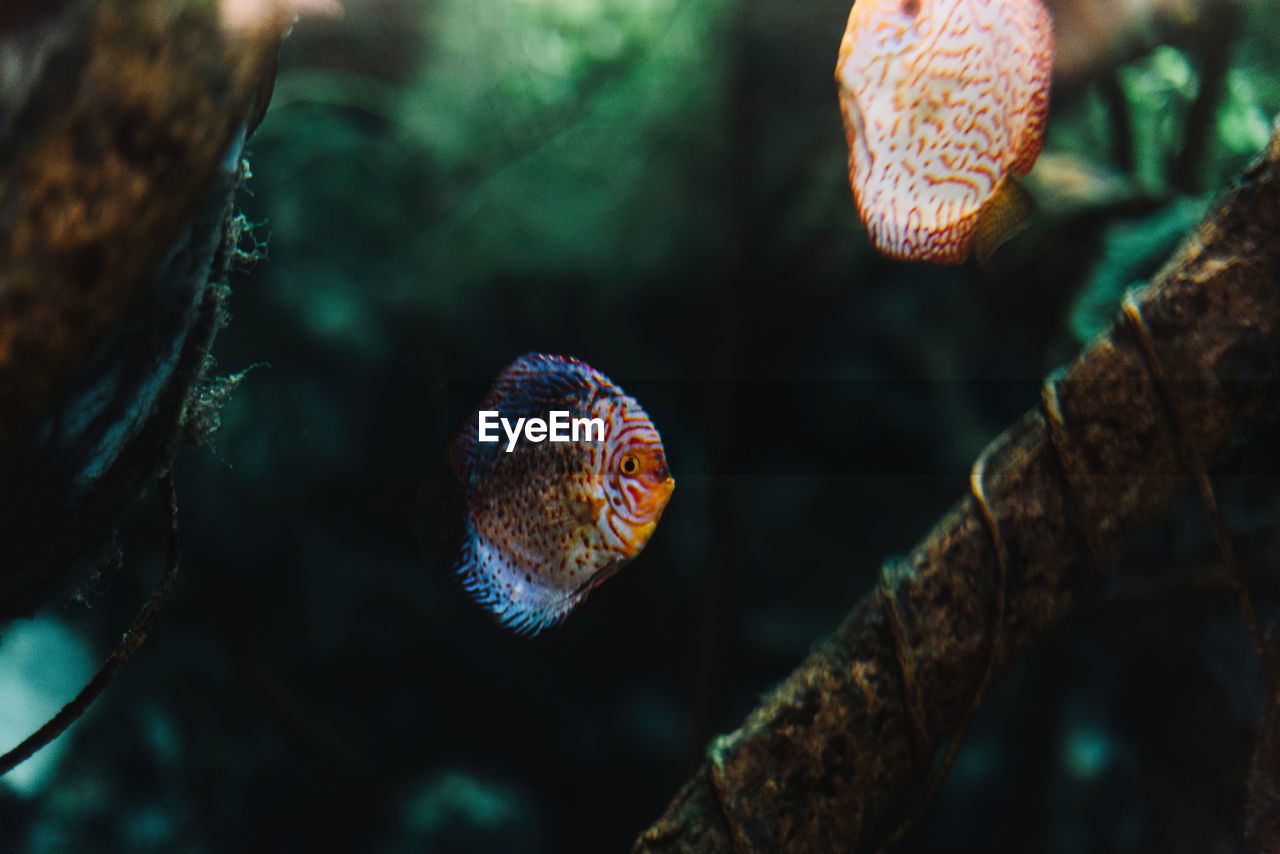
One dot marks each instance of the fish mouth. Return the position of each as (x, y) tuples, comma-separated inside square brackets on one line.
[(662, 494), (656, 498)]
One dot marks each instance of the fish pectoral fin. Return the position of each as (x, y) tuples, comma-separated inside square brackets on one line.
[(1004, 215), (599, 577), (582, 512)]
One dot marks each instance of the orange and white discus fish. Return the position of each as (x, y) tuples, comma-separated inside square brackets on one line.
[(548, 521), (943, 101)]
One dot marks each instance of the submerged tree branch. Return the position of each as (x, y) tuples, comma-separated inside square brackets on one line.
[(122, 133), (826, 758)]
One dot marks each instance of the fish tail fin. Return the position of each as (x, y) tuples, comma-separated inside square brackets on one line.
[(447, 541), (1006, 213), (512, 597)]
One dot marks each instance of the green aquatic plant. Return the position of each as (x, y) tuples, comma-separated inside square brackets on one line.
[(1132, 250), (1160, 89)]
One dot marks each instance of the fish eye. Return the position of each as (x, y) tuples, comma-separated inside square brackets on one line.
[(911, 7), (629, 464)]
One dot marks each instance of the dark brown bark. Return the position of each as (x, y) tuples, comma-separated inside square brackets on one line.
[(120, 152), (107, 160), (1262, 814), (822, 763)]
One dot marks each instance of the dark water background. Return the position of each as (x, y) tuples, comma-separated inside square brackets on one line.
[(658, 188)]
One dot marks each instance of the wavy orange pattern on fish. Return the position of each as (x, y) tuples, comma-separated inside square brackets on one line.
[(942, 101)]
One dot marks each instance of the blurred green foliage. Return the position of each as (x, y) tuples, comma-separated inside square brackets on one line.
[(1160, 88), (1132, 251), (536, 135)]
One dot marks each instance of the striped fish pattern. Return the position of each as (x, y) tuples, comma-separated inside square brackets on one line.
[(549, 521), (943, 101)]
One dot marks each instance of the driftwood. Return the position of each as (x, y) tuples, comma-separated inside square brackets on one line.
[(1262, 816), (121, 135), (122, 124), (826, 761)]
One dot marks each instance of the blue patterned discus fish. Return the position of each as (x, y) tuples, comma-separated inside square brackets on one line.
[(546, 522)]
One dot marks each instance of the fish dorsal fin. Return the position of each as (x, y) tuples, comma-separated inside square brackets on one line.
[(534, 379), (542, 376), (1004, 215)]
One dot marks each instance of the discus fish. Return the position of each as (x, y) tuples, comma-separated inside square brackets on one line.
[(943, 101), (548, 521)]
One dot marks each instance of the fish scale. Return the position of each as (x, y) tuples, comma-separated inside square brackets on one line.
[(940, 108)]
